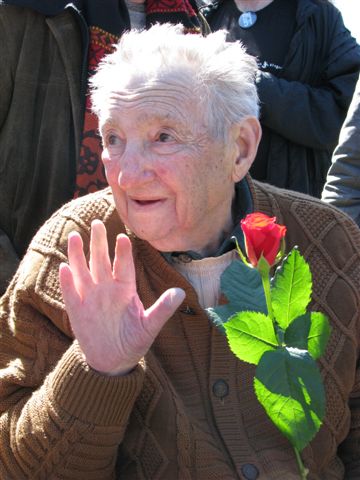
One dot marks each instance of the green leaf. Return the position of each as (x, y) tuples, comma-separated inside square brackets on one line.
[(309, 332), (291, 290), (289, 386), (243, 288), (297, 333), (319, 334), (250, 334)]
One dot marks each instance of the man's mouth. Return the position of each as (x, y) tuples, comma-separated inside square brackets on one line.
[(147, 202)]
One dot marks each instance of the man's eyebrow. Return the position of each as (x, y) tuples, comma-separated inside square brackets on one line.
[(108, 123), (160, 117)]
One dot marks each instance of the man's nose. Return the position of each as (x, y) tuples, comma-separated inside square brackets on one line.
[(135, 166)]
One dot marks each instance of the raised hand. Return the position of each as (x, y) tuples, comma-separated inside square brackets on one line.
[(107, 317)]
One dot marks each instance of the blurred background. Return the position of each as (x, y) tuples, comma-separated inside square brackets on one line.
[(350, 10)]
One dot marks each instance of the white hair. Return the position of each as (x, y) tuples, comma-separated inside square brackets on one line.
[(221, 74)]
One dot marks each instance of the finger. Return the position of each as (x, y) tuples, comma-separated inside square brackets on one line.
[(159, 313), (71, 296), (77, 262), (100, 265), (124, 269)]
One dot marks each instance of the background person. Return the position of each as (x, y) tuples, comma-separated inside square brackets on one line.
[(131, 380), (342, 187), (308, 64), (50, 147)]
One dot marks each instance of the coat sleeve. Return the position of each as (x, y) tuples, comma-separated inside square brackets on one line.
[(342, 188), (8, 256), (58, 417), (312, 115), (6, 71), (9, 261)]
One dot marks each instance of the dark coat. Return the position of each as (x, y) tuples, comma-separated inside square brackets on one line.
[(41, 118)]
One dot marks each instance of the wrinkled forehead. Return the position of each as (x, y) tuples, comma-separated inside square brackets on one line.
[(165, 98), (132, 82)]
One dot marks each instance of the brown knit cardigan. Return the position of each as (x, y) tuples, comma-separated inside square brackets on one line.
[(188, 411)]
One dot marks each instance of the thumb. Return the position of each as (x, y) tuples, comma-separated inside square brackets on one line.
[(164, 307)]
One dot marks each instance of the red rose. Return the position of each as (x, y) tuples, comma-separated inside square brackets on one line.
[(262, 237)]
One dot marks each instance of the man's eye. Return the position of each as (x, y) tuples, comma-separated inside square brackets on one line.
[(113, 139), (165, 137)]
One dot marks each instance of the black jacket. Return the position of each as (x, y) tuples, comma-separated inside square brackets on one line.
[(304, 106)]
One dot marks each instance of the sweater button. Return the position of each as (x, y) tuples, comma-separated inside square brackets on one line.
[(188, 310), (220, 389), (249, 471)]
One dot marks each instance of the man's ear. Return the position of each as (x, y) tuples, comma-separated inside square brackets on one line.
[(247, 135)]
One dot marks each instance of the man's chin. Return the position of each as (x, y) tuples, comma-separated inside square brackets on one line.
[(157, 239)]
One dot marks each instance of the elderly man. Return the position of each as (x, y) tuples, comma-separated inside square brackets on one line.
[(113, 374)]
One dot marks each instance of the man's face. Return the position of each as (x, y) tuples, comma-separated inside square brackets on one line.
[(172, 183)]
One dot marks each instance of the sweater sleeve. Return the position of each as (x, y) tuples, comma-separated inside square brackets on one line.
[(330, 242), (349, 451), (58, 417), (312, 115)]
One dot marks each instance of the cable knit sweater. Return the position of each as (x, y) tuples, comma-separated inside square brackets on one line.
[(188, 411)]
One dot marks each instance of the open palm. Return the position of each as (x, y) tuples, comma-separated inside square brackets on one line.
[(108, 319)]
